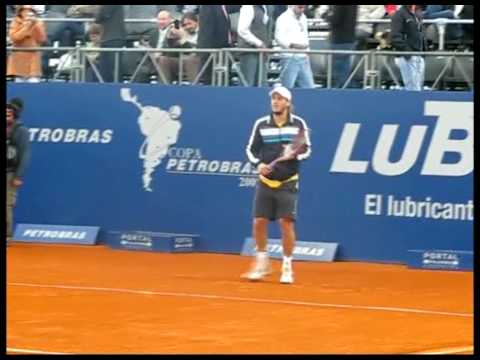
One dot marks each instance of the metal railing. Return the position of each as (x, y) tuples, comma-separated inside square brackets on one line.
[(440, 23), (372, 62)]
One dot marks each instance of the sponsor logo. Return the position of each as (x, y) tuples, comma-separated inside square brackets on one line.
[(181, 243), (440, 258), (161, 130), (303, 250), (71, 136), (32, 233), (56, 234), (450, 116)]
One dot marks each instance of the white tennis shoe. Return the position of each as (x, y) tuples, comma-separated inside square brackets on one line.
[(259, 271), (287, 276)]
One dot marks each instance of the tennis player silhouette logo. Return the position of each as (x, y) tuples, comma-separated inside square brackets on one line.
[(160, 128)]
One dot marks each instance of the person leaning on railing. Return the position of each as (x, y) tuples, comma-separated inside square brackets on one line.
[(112, 19), (26, 30), (94, 38), (255, 30), (407, 35)]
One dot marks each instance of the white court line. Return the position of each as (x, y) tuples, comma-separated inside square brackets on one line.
[(257, 300), (430, 352), (33, 351), (445, 351)]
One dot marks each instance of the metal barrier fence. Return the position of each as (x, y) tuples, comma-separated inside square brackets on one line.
[(374, 64), (440, 23)]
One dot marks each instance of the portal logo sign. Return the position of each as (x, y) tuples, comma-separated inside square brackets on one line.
[(440, 259), (160, 128)]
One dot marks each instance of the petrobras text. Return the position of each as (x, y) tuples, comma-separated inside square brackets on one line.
[(303, 250), (449, 116), (86, 235), (190, 161), (74, 136)]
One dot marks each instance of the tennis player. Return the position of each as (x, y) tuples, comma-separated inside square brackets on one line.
[(277, 187)]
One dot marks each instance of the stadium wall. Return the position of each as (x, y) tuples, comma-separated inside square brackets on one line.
[(389, 171)]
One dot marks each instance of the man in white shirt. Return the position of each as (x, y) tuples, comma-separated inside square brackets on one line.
[(254, 30), (291, 32)]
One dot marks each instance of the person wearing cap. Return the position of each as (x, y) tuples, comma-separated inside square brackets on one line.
[(277, 187), (26, 30), (18, 156)]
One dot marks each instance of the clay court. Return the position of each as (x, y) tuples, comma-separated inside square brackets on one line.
[(92, 299)]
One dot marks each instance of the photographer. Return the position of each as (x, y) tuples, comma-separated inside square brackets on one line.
[(172, 34), (18, 156), (26, 30)]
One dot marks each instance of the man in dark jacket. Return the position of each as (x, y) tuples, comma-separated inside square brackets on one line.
[(112, 19), (214, 33), (18, 156), (343, 22), (407, 35)]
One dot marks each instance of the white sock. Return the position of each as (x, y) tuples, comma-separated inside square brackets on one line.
[(287, 262), (262, 257)]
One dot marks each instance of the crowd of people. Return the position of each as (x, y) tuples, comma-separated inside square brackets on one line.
[(224, 26)]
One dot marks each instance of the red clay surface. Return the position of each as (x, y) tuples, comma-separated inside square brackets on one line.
[(92, 299)]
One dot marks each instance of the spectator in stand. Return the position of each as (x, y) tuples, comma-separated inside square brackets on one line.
[(342, 37), (255, 28), (26, 30), (155, 39), (94, 41), (170, 34), (112, 19), (407, 35), (365, 31), (183, 35), (291, 32), (452, 31), (190, 26), (215, 33)]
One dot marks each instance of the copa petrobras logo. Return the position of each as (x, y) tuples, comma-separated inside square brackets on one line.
[(161, 129), (191, 161), (449, 117)]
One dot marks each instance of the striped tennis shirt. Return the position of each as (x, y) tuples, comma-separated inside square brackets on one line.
[(267, 142)]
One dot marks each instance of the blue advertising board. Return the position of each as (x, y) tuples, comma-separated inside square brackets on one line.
[(151, 241), (58, 234), (303, 250), (389, 171)]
